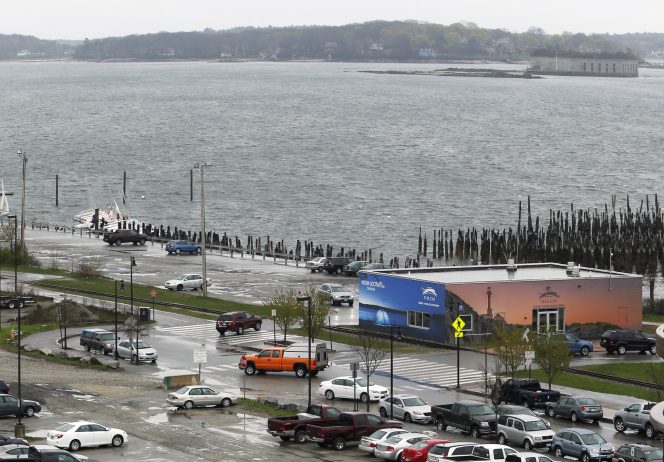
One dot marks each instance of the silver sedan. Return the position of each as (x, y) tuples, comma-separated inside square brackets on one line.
[(200, 396)]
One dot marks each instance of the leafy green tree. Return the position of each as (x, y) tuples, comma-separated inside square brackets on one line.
[(510, 347), (289, 311), (552, 355), (320, 311)]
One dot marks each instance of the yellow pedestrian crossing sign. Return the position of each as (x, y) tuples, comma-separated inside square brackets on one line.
[(458, 325)]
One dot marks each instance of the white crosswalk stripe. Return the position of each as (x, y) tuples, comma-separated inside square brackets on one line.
[(206, 331), (426, 374)]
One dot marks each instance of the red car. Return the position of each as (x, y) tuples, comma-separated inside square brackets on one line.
[(419, 452), (238, 322)]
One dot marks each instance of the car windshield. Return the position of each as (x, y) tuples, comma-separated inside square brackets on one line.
[(519, 410), (181, 278), (141, 344), (535, 425), (592, 438), (420, 445), (653, 454), (415, 401), (394, 439), (480, 410), (338, 289), (109, 336), (362, 382), (64, 428), (587, 402), (378, 434)]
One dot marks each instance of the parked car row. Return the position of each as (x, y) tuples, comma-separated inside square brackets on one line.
[(104, 341), (339, 265)]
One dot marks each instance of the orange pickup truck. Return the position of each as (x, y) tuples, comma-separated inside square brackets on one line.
[(294, 358)]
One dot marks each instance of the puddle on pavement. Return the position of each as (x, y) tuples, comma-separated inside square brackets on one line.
[(160, 418)]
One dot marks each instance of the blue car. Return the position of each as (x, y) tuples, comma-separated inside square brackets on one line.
[(585, 445), (578, 346), (178, 247)]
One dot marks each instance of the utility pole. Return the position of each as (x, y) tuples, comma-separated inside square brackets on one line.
[(24, 158), (202, 166)]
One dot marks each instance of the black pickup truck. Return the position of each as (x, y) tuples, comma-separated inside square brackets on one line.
[(120, 236), (351, 426), (528, 393), (472, 417), (295, 426), (15, 301)]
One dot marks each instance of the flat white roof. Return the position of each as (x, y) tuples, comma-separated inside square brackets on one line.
[(500, 273)]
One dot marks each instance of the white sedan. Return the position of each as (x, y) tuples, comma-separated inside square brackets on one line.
[(368, 443), (315, 264), (200, 396), (391, 448), (77, 435), (347, 387), (189, 281)]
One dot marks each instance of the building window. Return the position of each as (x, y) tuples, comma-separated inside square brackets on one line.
[(607, 68), (584, 67), (592, 67), (614, 68), (418, 319)]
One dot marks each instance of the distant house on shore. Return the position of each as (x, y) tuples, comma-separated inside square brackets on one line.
[(552, 62)]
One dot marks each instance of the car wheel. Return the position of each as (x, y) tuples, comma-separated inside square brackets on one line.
[(339, 443), (407, 418), (527, 445), (524, 403), (653, 349), (558, 451), (574, 417), (619, 425), (199, 250), (116, 355), (650, 431), (29, 411), (584, 351), (177, 251), (87, 348), (21, 304), (117, 441), (75, 445), (350, 303), (329, 394), (134, 359), (179, 288), (300, 437), (338, 271), (383, 412), (441, 425), (258, 326), (240, 330), (226, 402), (551, 412), (364, 397), (585, 457), (118, 242), (141, 242), (11, 305), (300, 372), (474, 432), (249, 369), (621, 350), (188, 405), (502, 439)]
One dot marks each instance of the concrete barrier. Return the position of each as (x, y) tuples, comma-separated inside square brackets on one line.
[(178, 381), (657, 412)]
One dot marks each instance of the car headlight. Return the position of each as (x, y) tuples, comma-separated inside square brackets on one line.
[(594, 450), (417, 413), (484, 424), (538, 438)]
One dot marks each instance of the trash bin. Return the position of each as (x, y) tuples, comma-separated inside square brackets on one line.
[(144, 314)]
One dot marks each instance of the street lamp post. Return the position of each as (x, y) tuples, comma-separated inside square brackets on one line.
[(24, 160), (302, 298), (132, 263), (202, 166), (398, 337), (116, 314), (19, 430)]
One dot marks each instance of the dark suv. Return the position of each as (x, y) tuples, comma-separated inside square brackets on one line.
[(120, 236), (335, 265), (621, 341), (238, 322)]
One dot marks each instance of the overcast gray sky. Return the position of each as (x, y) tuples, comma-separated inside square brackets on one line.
[(78, 19)]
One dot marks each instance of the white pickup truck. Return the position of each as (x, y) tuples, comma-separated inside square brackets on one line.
[(636, 416)]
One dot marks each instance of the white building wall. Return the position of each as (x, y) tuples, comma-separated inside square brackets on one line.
[(608, 67)]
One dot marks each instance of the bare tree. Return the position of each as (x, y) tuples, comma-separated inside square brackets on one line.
[(656, 375), (134, 330), (288, 310), (320, 310), (510, 347), (370, 358)]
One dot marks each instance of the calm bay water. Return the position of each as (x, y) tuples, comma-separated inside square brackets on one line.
[(319, 151)]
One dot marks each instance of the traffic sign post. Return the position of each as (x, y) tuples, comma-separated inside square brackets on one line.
[(200, 357), (153, 294), (354, 367), (458, 324), (274, 325)]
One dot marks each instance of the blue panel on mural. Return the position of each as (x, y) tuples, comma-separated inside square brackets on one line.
[(385, 300)]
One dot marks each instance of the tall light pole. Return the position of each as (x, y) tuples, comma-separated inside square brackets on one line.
[(132, 263), (610, 266), (302, 298), (24, 159), (19, 430), (116, 313), (392, 366), (202, 166)]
